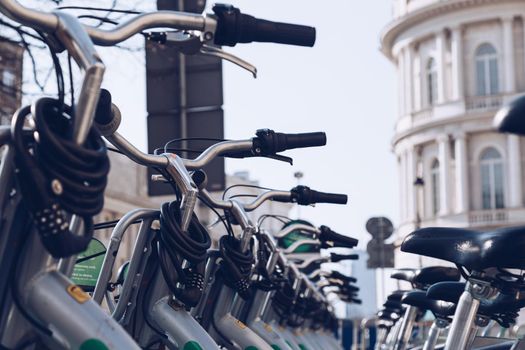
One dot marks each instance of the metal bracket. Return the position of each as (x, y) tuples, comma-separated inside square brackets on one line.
[(481, 289)]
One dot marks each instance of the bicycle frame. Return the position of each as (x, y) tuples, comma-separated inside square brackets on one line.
[(180, 327), (52, 298)]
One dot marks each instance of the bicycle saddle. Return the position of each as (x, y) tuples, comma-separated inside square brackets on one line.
[(503, 308), (422, 278), (394, 305), (511, 118), (474, 250), (446, 291), (396, 296), (440, 309), (388, 314)]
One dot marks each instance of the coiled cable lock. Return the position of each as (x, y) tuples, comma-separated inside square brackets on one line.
[(55, 175), (175, 246)]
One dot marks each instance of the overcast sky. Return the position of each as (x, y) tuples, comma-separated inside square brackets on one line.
[(343, 86)]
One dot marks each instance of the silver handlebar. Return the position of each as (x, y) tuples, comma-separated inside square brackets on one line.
[(161, 160), (293, 227), (49, 22)]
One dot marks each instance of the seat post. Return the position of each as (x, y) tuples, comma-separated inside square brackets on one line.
[(405, 331), (433, 333), (465, 315), (392, 335), (381, 335)]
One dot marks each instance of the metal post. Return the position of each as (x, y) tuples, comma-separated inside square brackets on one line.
[(406, 328), (433, 335), (183, 93), (463, 319)]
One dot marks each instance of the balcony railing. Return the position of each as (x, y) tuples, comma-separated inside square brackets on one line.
[(488, 217), (483, 103)]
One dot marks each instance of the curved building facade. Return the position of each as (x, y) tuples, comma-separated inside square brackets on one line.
[(458, 61)]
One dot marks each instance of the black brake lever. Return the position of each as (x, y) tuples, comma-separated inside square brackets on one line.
[(281, 158)]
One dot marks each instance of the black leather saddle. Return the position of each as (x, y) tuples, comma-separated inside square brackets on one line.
[(446, 291), (440, 309), (503, 248), (511, 118), (423, 278), (396, 295), (503, 308), (393, 305)]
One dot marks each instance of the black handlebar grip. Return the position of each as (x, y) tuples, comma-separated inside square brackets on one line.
[(107, 115), (334, 198), (260, 30), (349, 288), (339, 240), (103, 113), (303, 140), (303, 195), (234, 27), (340, 257), (340, 276), (268, 142)]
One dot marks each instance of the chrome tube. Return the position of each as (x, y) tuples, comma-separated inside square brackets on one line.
[(49, 22), (135, 154), (266, 196), (463, 319), (26, 16), (217, 150), (432, 338), (300, 227), (407, 323), (114, 244)]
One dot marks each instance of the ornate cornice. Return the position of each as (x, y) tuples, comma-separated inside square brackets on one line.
[(435, 124), (399, 25)]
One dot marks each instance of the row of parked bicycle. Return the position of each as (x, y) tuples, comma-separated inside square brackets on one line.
[(473, 306), (249, 289)]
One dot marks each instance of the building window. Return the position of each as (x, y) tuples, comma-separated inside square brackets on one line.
[(491, 164), (486, 70), (431, 82), (434, 177)]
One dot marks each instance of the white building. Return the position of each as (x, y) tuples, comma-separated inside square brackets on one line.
[(458, 61)]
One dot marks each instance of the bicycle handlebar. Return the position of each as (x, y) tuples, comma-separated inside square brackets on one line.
[(339, 240), (234, 27), (306, 196), (340, 257), (228, 27), (338, 275)]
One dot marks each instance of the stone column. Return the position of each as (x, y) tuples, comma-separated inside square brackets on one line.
[(417, 98), (409, 78), (444, 173), (458, 89), (410, 179), (440, 62), (401, 82), (508, 54), (514, 169), (462, 183), (402, 186)]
